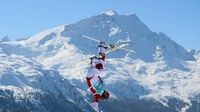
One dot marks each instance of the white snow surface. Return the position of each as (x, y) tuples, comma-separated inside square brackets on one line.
[(159, 69), (110, 13), (114, 31)]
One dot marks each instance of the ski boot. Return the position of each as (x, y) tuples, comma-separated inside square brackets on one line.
[(103, 44)]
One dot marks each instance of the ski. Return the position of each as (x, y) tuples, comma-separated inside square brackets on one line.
[(120, 45), (85, 36)]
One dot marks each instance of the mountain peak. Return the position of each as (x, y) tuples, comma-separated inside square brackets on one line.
[(5, 39), (110, 13)]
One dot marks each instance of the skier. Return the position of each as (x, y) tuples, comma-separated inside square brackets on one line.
[(94, 80)]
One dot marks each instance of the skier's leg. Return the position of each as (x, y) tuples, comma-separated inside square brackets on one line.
[(105, 95), (102, 50), (102, 56), (96, 98), (92, 90)]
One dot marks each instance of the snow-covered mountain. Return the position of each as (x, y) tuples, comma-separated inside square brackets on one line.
[(5, 39), (196, 54), (54, 63), (28, 86)]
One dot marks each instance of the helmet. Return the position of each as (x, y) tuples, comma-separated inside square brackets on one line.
[(99, 66), (105, 95)]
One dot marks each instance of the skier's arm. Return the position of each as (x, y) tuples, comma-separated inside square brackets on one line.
[(92, 61), (100, 78), (102, 50)]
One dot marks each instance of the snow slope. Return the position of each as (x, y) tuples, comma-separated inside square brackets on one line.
[(25, 84)]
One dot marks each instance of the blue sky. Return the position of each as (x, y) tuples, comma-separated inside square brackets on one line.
[(179, 19)]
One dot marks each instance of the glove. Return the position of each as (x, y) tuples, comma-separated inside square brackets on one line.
[(94, 57)]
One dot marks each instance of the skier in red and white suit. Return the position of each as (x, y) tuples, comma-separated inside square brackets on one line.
[(94, 80)]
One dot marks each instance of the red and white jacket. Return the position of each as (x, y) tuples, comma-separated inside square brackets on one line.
[(93, 77), (94, 74)]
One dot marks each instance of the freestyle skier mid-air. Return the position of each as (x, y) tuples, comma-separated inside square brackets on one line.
[(94, 80)]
